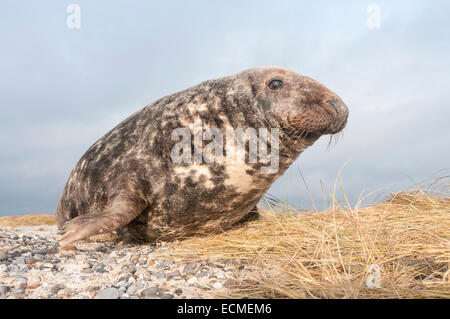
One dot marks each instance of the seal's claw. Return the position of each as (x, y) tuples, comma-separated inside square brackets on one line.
[(118, 214), (78, 228)]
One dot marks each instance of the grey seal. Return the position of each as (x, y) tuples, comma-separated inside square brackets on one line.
[(128, 182)]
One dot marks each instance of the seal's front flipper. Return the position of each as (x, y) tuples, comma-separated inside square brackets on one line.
[(118, 214)]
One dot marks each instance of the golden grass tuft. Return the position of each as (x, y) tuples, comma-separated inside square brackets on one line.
[(339, 253), (27, 220)]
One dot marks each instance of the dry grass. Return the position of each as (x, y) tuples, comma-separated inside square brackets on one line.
[(337, 253), (27, 220)]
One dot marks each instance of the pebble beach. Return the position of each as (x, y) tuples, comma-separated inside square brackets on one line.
[(32, 266)]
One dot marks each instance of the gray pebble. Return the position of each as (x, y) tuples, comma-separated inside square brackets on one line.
[(46, 265), (204, 273), (121, 283), (3, 269), (109, 261), (87, 271), (132, 290), (55, 288), (3, 257), (159, 274), (23, 268), (23, 285), (3, 290), (151, 292), (99, 268), (108, 293), (190, 268), (132, 269), (19, 277), (173, 274), (18, 291), (13, 268), (165, 264), (38, 252), (178, 291)]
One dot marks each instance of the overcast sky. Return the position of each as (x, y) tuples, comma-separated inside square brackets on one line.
[(61, 89)]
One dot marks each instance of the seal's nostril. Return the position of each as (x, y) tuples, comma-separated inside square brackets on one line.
[(339, 106), (334, 103), (341, 110)]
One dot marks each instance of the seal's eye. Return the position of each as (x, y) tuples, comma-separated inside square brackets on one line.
[(275, 85)]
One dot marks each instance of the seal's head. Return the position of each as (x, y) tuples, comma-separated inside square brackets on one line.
[(298, 105)]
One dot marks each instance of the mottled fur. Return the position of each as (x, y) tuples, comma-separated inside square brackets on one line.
[(127, 181)]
